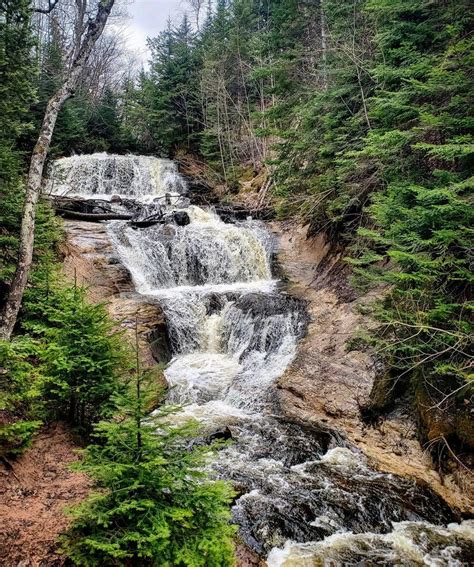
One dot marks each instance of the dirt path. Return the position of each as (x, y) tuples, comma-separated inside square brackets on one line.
[(33, 496)]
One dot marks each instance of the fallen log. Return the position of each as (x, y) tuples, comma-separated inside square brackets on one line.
[(93, 217), (180, 218)]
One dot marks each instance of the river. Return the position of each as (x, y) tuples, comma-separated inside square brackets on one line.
[(307, 497)]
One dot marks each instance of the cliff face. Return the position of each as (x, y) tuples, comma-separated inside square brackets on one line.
[(89, 258), (329, 382)]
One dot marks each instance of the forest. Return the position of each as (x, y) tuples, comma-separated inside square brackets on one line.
[(352, 118)]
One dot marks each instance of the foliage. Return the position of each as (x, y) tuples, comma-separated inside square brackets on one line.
[(67, 364), (420, 240), (170, 88), (155, 504), (20, 405), (83, 358), (16, 87), (16, 93)]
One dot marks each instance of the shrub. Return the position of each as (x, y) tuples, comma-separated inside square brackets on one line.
[(156, 504), (83, 357), (20, 406)]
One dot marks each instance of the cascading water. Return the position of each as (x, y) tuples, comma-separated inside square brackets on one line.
[(102, 176), (204, 252), (306, 494)]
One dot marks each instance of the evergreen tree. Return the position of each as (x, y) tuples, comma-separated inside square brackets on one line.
[(17, 72), (104, 126), (156, 504), (420, 241), (171, 88), (83, 358)]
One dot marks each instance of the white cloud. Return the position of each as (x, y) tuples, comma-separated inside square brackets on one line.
[(146, 19)]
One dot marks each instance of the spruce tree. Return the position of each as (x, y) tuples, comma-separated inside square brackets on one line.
[(17, 92), (156, 504), (171, 88)]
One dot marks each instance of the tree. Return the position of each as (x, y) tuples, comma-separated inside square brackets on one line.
[(171, 88), (104, 125), (156, 504), (418, 239), (82, 49), (84, 359)]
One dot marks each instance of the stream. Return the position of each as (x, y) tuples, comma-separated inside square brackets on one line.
[(306, 496)]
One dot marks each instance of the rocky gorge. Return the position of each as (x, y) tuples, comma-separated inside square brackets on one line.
[(264, 361)]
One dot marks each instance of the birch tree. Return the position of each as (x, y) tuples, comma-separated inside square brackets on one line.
[(86, 32)]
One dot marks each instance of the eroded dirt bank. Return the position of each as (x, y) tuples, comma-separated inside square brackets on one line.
[(328, 382)]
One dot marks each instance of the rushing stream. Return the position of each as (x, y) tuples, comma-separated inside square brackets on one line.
[(307, 497)]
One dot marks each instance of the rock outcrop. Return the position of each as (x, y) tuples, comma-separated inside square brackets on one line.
[(89, 259), (328, 382)]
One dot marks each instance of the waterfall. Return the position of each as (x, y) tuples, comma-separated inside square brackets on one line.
[(102, 175), (205, 252), (306, 493)]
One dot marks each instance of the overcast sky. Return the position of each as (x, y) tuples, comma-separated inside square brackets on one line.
[(147, 18)]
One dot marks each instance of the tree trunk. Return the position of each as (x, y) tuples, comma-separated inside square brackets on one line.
[(35, 174), (324, 47), (93, 217)]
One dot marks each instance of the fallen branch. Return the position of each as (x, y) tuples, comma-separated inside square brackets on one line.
[(145, 223)]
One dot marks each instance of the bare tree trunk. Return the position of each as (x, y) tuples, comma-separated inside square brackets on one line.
[(38, 158), (324, 46)]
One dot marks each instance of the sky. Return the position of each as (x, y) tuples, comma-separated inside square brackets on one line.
[(146, 19)]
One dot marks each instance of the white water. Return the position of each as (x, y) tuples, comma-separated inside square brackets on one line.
[(205, 252), (408, 544), (233, 335), (103, 175)]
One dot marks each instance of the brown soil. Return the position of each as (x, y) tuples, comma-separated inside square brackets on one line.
[(34, 492)]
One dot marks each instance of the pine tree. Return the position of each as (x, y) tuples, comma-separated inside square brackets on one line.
[(171, 88), (420, 241), (17, 72), (104, 125), (156, 504), (84, 359)]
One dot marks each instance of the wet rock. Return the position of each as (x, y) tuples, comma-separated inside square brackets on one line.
[(149, 321), (215, 303), (304, 483), (265, 305), (169, 231), (181, 218), (159, 343)]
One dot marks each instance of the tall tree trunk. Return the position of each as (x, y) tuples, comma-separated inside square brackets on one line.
[(35, 175), (324, 46)]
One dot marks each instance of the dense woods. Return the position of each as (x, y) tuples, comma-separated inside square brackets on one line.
[(352, 116), (358, 115)]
